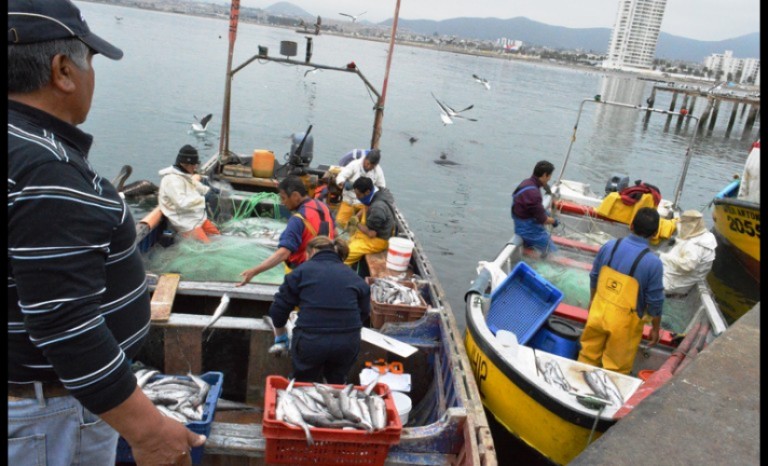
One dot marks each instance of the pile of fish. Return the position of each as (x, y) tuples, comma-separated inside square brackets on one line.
[(324, 406), (264, 231), (553, 374), (386, 291), (180, 398), (599, 382), (603, 386)]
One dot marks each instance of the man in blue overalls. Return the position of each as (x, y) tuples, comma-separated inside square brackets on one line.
[(528, 212)]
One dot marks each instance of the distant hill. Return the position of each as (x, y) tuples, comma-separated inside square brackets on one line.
[(588, 39), (289, 9)]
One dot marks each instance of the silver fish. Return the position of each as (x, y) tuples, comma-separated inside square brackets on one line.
[(220, 309), (597, 385), (611, 389), (292, 415), (378, 410)]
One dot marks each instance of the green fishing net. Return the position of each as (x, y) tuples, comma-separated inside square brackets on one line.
[(243, 244), (574, 284)]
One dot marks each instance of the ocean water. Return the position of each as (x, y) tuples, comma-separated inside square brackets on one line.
[(174, 68)]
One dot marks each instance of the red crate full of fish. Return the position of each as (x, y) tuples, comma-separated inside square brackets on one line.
[(287, 444)]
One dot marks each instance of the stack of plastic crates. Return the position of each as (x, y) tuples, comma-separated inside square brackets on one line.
[(287, 444), (522, 303)]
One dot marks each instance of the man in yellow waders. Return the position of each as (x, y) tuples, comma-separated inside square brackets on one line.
[(377, 224), (626, 287)]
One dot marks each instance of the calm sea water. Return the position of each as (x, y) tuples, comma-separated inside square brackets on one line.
[(174, 68)]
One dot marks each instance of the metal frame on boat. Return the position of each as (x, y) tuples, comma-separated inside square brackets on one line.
[(447, 425), (576, 205)]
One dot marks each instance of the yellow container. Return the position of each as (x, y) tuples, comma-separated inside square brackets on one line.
[(263, 163)]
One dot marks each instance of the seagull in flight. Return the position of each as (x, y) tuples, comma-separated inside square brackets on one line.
[(447, 114), (312, 71), (482, 81), (201, 126), (354, 17)]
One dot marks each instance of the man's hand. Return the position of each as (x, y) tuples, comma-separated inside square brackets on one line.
[(281, 346), (247, 276), (170, 444), (654, 336), (197, 177)]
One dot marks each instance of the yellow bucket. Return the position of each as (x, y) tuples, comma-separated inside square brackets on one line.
[(263, 163)]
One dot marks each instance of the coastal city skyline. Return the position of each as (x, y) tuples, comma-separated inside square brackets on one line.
[(693, 19)]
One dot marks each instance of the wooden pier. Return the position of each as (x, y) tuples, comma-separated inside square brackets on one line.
[(712, 102)]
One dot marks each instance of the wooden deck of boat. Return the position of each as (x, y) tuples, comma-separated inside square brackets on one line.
[(708, 414)]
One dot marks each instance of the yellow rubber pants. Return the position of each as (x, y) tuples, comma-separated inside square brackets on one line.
[(613, 330), (345, 212), (360, 244)]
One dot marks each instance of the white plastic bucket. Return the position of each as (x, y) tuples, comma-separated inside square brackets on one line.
[(399, 253), (403, 405)]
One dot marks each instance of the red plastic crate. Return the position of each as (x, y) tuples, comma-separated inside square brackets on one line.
[(287, 444)]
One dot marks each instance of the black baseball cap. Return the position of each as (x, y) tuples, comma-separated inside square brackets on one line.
[(31, 21)]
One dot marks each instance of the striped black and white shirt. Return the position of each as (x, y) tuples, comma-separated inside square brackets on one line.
[(78, 305)]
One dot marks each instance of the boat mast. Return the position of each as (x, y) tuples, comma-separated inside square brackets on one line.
[(234, 15), (380, 104)]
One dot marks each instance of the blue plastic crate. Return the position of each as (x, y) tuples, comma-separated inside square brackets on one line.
[(522, 303), (215, 380)]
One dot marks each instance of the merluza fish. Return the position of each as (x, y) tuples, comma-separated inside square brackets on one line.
[(321, 405)]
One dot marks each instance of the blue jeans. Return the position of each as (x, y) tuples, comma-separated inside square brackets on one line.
[(534, 234), (58, 431)]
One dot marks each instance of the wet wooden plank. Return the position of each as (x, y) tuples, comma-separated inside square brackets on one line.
[(162, 298)]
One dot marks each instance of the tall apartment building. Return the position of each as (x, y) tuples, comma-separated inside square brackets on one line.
[(634, 36)]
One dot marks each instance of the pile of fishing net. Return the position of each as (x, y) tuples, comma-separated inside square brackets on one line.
[(243, 244)]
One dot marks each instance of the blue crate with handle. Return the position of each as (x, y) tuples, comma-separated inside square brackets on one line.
[(203, 426), (522, 303)]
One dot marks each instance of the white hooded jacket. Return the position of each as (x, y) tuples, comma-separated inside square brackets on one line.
[(689, 261), (354, 170), (181, 198)]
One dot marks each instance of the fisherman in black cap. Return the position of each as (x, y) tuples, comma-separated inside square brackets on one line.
[(78, 307), (182, 197)]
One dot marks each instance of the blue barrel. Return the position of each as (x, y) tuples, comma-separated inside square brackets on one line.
[(557, 337)]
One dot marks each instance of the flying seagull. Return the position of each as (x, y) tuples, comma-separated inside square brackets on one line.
[(354, 17), (447, 113), (312, 71), (201, 126), (482, 81)]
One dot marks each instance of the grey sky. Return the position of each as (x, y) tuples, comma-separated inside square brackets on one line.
[(696, 19)]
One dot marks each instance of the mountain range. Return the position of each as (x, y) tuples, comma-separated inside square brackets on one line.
[(531, 32)]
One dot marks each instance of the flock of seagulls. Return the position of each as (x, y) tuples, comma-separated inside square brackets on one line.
[(354, 17)]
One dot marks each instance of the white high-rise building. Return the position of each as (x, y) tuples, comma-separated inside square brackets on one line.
[(634, 37)]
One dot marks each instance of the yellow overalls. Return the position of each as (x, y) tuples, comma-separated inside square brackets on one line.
[(361, 244), (613, 330)]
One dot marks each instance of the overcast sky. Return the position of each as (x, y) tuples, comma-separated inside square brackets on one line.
[(696, 19)]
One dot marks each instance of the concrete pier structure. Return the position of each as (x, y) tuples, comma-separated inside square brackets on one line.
[(708, 414)]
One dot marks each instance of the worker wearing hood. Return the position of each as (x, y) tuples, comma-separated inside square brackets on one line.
[(692, 256), (182, 197)]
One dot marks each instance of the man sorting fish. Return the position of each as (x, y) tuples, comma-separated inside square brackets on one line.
[(333, 301)]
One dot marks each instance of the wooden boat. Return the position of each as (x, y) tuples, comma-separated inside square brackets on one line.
[(447, 424), (737, 223), (511, 374), (594, 218)]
